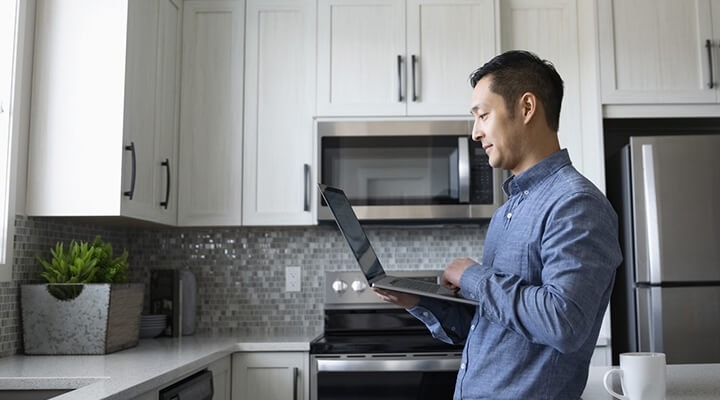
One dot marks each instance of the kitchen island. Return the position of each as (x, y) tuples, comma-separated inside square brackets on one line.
[(128, 373), (684, 381)]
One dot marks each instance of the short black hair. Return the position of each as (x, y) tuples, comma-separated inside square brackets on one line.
[(516, 72)]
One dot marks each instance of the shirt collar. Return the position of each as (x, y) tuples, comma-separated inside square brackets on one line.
[(535, 174)]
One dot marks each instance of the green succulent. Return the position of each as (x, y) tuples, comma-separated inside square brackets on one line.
[(81, 263)]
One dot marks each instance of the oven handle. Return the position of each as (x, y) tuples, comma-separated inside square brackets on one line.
[(345, 365), (464, 169)]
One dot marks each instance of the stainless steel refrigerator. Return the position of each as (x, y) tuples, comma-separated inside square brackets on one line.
[(666, 190)]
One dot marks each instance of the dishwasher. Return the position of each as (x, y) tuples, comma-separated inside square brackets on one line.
[(198, 386)]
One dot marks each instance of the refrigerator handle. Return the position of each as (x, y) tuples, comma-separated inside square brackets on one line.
[(649, 319), (652, 223)]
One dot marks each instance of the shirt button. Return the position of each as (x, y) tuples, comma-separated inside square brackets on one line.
[(452, 328), (425, 314), (462, 366), (472, 327), (509, 215), (527, 192)]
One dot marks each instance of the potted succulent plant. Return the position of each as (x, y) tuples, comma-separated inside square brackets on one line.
[(86, 306)]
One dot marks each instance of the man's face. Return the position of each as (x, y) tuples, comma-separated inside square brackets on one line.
[(500, 135)]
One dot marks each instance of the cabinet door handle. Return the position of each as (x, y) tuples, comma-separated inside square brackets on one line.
[(306, 203), (708, 46), (295, 383), (399, 71), (414, 63), (166, 164), (130, 193)]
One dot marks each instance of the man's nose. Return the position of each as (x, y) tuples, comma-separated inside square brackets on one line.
[(476, 134)]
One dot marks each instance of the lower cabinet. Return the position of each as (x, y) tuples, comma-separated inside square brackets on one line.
[(222, 379), (270, 375)]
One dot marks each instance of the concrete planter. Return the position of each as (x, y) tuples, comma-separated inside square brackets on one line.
[(103, 319)]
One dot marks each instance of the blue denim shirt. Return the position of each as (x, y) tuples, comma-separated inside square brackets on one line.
[(548, 268)]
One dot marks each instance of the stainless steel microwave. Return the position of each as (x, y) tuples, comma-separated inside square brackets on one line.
[(409, 170)]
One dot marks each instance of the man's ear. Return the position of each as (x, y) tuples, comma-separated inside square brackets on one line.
[(528, 106)]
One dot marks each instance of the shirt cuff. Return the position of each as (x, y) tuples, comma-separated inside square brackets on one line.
[(472, 278), (431, 322)]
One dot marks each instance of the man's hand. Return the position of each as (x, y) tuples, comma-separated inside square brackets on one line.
[(451, 276), (404, 300)]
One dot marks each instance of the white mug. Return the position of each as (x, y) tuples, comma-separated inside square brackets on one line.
[(642, 376)]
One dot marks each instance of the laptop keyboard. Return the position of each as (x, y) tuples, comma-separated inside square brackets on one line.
[(419, 285)]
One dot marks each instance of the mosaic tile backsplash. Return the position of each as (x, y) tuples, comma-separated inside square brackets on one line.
[(240, 271)]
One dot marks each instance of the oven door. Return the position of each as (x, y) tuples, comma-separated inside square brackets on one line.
[(380, 377)]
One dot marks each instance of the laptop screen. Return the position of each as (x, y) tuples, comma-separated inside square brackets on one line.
[(352, 231)]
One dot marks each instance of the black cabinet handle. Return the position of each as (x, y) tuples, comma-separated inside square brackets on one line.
[(306, 171), (414, 63), (165, 203), (399, 71), (708, 46), (131, 192)]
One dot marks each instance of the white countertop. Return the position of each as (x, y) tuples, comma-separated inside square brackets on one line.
[(157, 362), (684, 381), (127, 373)]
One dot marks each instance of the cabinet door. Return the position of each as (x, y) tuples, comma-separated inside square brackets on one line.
[(140, 85), (222, 378), (279, 106), (165, 168), (446, 41), (151, 96), (653, 51), (75, 142), (277, 376), (361, 57), (95, 147), (211, 152), (551, 29)]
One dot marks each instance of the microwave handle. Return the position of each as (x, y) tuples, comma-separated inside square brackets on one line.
[(464, 169)]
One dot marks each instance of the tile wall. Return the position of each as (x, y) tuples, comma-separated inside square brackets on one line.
[(240, 272)]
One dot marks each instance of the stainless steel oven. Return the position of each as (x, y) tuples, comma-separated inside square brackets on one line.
[(408, 170), (374, 350)]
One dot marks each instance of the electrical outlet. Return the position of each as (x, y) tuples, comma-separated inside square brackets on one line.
[(292, 279)]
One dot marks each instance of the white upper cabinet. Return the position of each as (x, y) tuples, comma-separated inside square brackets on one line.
[(659, 51), (279, 107), (104, 109), (211, 147), (401, 57), (561, 31)]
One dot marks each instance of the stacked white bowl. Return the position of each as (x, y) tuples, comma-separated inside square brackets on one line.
[(152, 325)]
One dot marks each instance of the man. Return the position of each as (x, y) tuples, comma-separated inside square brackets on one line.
[(550, 253)]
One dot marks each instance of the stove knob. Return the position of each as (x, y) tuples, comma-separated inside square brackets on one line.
[(339, 286), (358, 286)]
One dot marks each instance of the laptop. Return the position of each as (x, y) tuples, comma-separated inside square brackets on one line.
[(367, 259)]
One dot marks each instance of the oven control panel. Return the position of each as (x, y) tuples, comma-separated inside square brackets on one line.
[(345, 289)]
